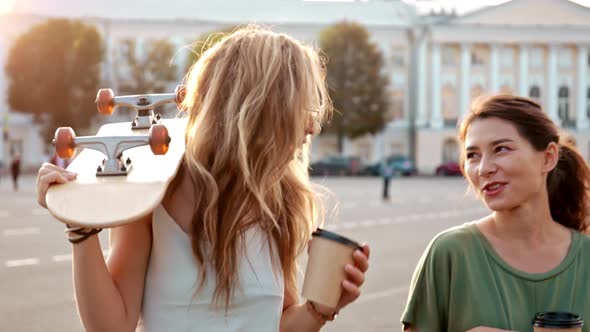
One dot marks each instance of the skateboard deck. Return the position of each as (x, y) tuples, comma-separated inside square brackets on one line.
[(94, 201)]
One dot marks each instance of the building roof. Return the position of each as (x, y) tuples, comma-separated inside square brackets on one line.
[(368, 12), (527, 13)]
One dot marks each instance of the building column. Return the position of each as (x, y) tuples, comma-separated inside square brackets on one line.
[(581, 103), (494, 68), (523, 70), (421, 84), (436, 120), (465, 83), (551, 105)]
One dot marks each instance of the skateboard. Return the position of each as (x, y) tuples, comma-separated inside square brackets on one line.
[(125, 169)]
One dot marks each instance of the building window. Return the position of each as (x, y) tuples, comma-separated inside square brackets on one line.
[(536, 57), (506, 89), (476, 58), (507, 57), (126, 47), (450, 150), (563, 107), (535, 93), (565, 57), (397, 105), (449, 56), (476, 91), (398, 57), (449, 106)]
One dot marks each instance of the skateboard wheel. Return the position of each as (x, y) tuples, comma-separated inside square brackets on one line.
[(64, 142), (105, 102), (180, 93), (159, 139)]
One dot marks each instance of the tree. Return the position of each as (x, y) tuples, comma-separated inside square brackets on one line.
[(150, 73), (54, 71), (355, 76), (204, 42)]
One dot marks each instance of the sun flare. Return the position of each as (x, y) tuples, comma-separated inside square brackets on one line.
[(6, 6)]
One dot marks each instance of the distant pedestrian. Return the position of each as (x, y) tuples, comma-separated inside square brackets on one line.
[(386, 173), (2, 170), (15, 170)]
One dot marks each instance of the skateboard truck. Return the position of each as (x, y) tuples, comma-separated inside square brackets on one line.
[(112, 147), (106, 102)]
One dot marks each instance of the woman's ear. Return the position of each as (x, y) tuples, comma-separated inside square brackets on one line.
[(550, 157)]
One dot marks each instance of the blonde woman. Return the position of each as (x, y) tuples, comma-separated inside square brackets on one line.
[(220, 252)]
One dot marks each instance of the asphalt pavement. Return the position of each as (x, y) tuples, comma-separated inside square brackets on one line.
[(35, 258)]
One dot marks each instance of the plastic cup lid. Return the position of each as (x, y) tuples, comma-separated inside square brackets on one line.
[(557, 320), (335, 237)]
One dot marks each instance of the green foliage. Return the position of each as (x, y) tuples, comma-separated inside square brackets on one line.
[(358, 85), (149, 70), (54, 71), (204, 42)]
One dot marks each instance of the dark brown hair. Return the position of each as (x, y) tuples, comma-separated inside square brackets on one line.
[(568, 183)]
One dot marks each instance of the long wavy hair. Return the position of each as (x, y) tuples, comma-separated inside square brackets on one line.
[(249, 99)]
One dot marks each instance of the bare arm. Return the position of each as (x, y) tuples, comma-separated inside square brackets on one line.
[(108, 294)]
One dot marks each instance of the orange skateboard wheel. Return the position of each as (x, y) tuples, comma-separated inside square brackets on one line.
[(159, 139), (105, 101), (180, 92), (64, 142)]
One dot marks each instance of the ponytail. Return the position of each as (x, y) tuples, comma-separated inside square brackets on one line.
[(568, 188)]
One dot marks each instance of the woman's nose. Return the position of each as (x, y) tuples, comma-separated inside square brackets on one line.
[(487, 166)]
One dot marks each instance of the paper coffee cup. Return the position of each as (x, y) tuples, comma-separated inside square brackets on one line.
[(557, 322), (328, 255)]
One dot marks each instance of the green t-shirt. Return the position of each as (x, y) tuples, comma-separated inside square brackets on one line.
[(461, 283)]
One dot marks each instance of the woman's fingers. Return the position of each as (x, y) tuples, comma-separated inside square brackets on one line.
[(49, 167), (361, 259), (353, 290), (366, 250), (354, 275), (47, 176)]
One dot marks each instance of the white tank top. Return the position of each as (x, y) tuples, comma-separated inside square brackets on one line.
[(169, 299)]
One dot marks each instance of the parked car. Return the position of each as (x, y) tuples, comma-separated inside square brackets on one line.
[(400, 165), (449, 168), (337, 165)]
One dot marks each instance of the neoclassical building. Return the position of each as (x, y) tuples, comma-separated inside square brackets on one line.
[(535, 48)]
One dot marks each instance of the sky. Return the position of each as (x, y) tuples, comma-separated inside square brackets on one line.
[(461, 6)]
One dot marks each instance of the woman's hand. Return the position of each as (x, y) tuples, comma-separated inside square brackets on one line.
[(48, 175), (355, 277)]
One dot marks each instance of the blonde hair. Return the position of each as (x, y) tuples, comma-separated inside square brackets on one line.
[(249, 98)]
